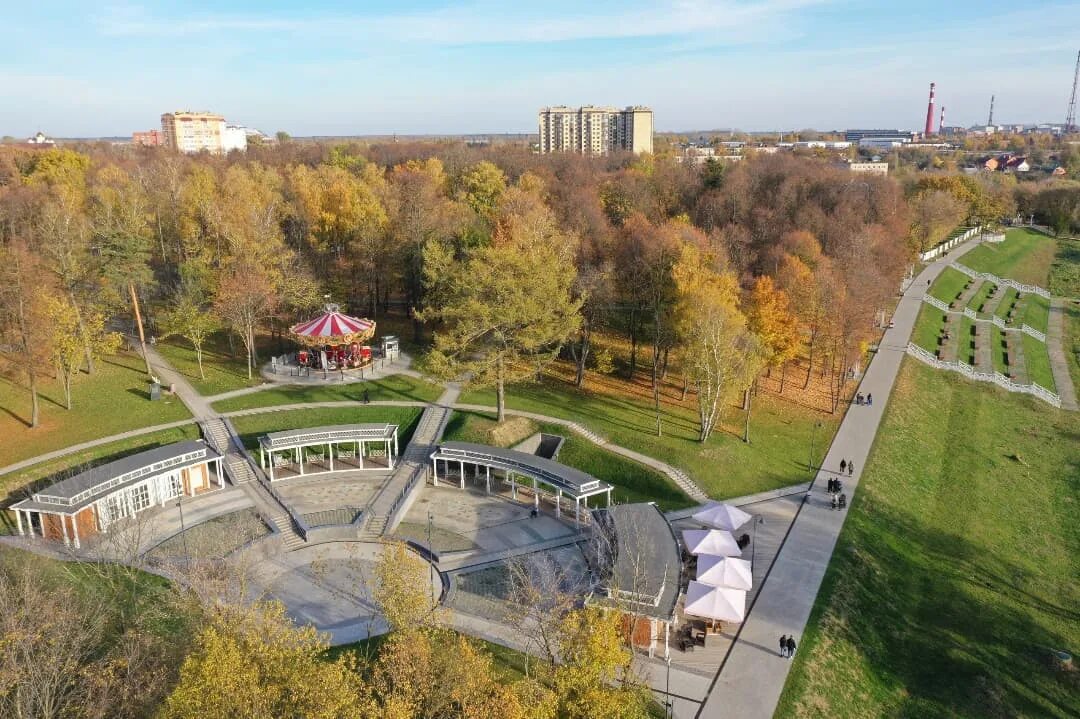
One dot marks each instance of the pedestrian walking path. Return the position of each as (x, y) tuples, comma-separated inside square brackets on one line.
[(678, 476), (751, 678), (1059, 363)]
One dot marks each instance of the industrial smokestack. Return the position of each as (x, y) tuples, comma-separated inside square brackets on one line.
[(941, 123), (930, 114)]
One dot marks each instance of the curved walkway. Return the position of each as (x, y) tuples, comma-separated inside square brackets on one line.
[(676, 475)]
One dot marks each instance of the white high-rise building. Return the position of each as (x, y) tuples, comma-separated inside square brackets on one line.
[(596, 130), (234, 137)]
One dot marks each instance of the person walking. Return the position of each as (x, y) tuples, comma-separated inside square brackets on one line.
[(783, 645), (791, 646), (367, 397), (851, 468), (869, 398), (843, 465)]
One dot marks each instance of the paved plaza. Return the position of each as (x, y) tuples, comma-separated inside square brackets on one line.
[(331, 491), (328, 587)]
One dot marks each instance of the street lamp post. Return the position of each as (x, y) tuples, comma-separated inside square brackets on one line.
[(431, 555), (183, 534), (753, 543), (667, 692)]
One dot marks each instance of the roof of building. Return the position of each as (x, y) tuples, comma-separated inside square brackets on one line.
[(567, 478), (644, 576), (332, 433), (74, 493)]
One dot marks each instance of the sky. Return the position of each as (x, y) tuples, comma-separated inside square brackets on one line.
[(88, 69)]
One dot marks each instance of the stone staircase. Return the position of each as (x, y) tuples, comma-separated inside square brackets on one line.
[(241, 471), (407, 477)]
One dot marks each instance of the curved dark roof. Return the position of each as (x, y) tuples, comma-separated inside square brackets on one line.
[(568, 478), (645, 573)]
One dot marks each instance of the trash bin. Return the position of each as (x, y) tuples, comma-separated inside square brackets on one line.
[(155, 391)]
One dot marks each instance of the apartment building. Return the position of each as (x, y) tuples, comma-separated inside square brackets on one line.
[(592, 130), (193, 131)]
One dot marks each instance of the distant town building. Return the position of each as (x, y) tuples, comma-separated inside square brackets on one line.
[(883, 143), (897, 135), (1059, 171), (193, 131), (593, 130), (872, 168), (40, 139), (150, 138), (1007, 163), (234, 137)]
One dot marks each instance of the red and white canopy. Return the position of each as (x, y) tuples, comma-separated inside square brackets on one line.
[(333, 326)]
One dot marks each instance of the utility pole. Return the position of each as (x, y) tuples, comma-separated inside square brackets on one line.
[(138, 323), (1070, 115)]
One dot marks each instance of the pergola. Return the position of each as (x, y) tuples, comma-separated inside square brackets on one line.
[(348, 443), (87, 503), (558, 477)]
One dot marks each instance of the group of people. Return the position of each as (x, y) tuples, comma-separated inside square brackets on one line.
[(867, 400), (787, 646), (836, 487)]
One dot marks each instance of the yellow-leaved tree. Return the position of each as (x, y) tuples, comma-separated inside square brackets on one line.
[(596, 679), (769, 316), (252, 662), (72, 338), (722, 356)]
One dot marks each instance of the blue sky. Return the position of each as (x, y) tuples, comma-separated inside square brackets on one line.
[(412, 66)]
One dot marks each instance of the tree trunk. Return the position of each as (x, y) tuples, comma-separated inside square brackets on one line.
[(67, 389), (664, 367), (250, 346), (82, 332), (500, 395), (783, 376), (35, 408), (198, 358), (633, 343), (810, 360), (746, 425)]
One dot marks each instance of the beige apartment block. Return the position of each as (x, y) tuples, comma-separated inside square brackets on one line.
[(193, 131), (592, 130)]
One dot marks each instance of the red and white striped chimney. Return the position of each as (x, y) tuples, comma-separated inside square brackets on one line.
[(930, 114)]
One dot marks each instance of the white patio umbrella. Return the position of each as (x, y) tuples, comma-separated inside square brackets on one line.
[(725, 572), (723, 516), (711, 541), (723, 603)]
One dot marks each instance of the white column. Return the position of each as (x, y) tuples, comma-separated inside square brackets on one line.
[(330, 454), (434, 472), (300, 459), (461, 477), (18, 518), (63, 526), (536, 495), (395, 442), (271, 466), (577, 511), (609, 496), (389, 457), (221, 471), (75, 528), (487, 480), (667, 646), (558, 503), (262, 456), (360, 453), (513, 487)]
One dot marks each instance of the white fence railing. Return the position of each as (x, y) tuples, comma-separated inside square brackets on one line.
[(995, 377), (949, 244), (994, 319), (1018, 286)]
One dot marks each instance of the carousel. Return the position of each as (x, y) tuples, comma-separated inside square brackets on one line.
[(334, 341)]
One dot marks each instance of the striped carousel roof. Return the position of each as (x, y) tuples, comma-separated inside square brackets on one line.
[(333, 323)]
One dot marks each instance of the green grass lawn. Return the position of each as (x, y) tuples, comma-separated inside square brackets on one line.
[(12, 483), (955, 573), (224, 371), (949, 284), (633, 482), (251, 427), (1071, 341), (1006, 303), (1038, 363), (981, 296), (781, 433), (112, 400), (928, 327), (1037, 312), (1024, 256), (394, 387), (1065, 271)]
